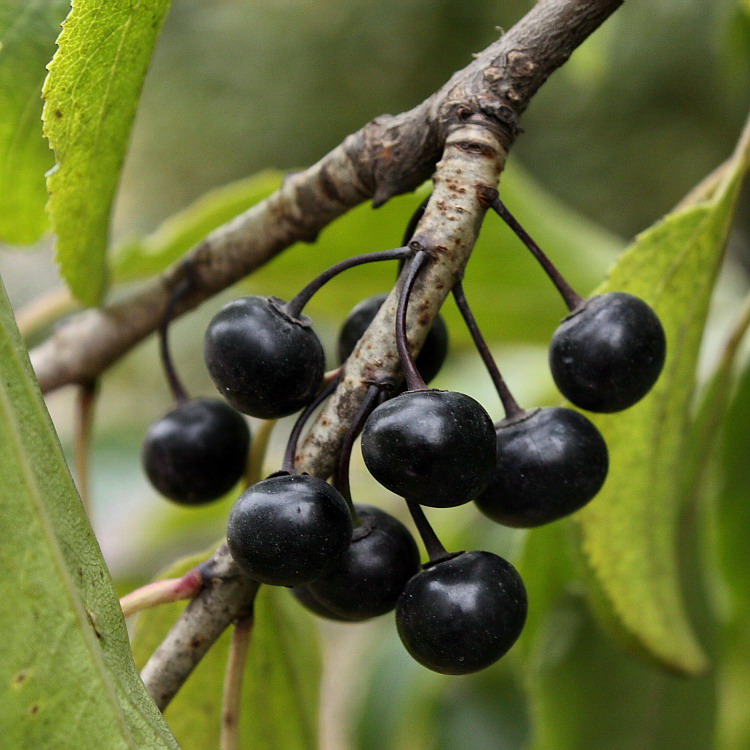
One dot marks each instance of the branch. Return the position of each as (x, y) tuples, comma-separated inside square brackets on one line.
[(466, 175), (227, 596), (471, 123), (389, 156)]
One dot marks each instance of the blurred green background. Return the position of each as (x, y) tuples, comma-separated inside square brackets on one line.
[(641, 113)]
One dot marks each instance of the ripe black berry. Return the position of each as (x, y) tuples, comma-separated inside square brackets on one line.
[(550, 463), (289, 529), (264, 362), (197, 452), (369, 577), (461, 614), (305, 597), (608, 352), (430, 358), (434, 447)]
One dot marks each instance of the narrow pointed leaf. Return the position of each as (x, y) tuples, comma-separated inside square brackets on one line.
[(732, 523), (629, 532), (28, 29), (279, 706), (585, 692), (91, 95), (69, 680)]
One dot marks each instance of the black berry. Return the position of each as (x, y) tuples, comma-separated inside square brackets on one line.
[(369, 577), (289, 529), (264, 362), (550, 463), (461, 614), (197, 452), (434, 447), (608, 352), (306, 598), (430, 358)]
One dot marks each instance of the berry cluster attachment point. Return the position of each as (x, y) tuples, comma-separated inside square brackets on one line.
[(347, 561)]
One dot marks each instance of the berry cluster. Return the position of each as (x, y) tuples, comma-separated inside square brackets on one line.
[(460, 611)]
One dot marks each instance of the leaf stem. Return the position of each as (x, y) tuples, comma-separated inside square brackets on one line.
[(45, 310), (571, 297), (232, 696), (163, 592), (85, 409)]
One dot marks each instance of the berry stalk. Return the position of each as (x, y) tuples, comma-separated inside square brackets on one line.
[(433, 545), (414, 381), (175, 384), (342, 473), (294, 307), (416, 217), (510, 405), (291, 446), (571, 297)]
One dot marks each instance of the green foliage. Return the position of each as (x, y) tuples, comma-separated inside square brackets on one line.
[(628, 533), (68, 675), (584, 691), (638, 548), (91, 95), (280, 693), (733, 521), (27, 41)]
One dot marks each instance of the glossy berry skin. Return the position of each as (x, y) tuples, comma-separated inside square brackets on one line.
[(289, 529), (463, 613), (431, 356), (607, 354), (263, 362), (434, 447), (370, 576), (550, 463), (305, 597), (197, 452)]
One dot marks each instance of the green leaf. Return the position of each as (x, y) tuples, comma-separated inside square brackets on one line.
[(91, 95), (585, 251), (733, 509), (28, 29), (732, 522), (585, 692), (628, 533), (68, 678), (280, 693)]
